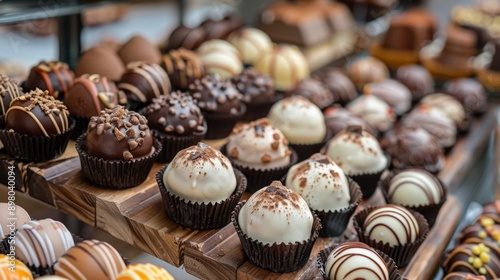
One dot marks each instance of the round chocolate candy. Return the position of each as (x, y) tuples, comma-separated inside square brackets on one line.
[(53, 76)]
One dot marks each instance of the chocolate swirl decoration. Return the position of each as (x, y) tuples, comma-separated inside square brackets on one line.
[(8, 91), (53, 76), (144, 81), (183, 67), (473, 258), (37, 113)]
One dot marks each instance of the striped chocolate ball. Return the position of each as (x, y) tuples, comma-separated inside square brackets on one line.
[(415, 187), (53, 76)]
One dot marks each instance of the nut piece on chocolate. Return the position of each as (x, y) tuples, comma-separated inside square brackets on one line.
[(215, 95), (255, 87), (183, 67), (53, 76)]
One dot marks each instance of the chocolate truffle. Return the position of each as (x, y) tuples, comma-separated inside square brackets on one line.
[(315, 91), (470, 93), (414, 187), (492, 210), (142, 82), (417, 79), (90, 94), (220, 57), (37, 113), (110, 64), (186, 37), (355, 260), (183, 67), (340, 86), (216, 96), (367, 70), (285, 64), (19, 214), (374, 111), (200, 174), (21, 271), (118, 134), (234, 21), (138, 48), (144, 271), (90, 259), (53, 76), (484, 230), (338, 118), (472, 258), (216, 29), (452, 108), (392, 92), (8, 91), (255, 87), (413, 146), (251, 43), (463, 276)]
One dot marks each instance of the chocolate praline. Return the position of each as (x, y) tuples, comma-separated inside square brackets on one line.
[(216, 29), (138, 48), (110, 64), (484, 230), (315, 91), (472, 258), (492, 210), (186, 37), (8, 91), (53, 76), (367, 70), (463, 276), (340, 86), (338, 118), (183, 67), (216, 96), (470, 93), (392, 92), (255, 87), (417, 79)]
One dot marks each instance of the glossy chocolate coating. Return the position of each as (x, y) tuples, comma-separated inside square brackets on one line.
[(8, 91), (118, 134), (338, 118), (54, 76), (495, 60), (392, 92), (234, 22), (183, 67), (185, 37), (340, 86), (484, 230), (367, 70), (110, 64), (470, 93), (462, 259), (417, 79), (216, 29), (37, 113), (216, 96), (463, 276), (138, 48), (255, 87), (175, 113), (492, 210), (315, 91)]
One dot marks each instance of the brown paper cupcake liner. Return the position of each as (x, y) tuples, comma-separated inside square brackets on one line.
[(259, 178), (430, 212), (391, 264), (196, 215), (81, 125), (304, 151), (115, 174), (36, 148), (220, 126), (368, 182), (401, 254), (334, 224), (172, 144), (280, 258), (256, 111)]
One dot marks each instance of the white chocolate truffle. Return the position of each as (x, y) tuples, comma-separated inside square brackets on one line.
[(415, 187), (450, 106), (258, 145), (374, 111), (41, 243), (285, 64), (301, 121), (276, 214), (200, 174), (220, 57), (251, 43), (391, 224), (11, 218), (321, 182), (356, 151), (355, 260), (392, 92)]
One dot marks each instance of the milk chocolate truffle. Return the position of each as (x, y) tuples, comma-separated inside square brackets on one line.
[(53, 76), (463, 276), (221, 58), (7, 212), (338, 118), (367, 70), (110, 64), (355, 260), (90, 259), (8, 91), (41, 243), (470, 93), (183, 67), (417, 79), (413, 146), (144, 271), (142, 82), (472, 258), (285, 64), (186, 37), (315, 91), (340, 86), (21, 271), (392, 92), (374, 111), (414, 187), (251, 43), (216, 96), (138, 48)]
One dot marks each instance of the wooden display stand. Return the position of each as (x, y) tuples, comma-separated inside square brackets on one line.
[(136, 215)]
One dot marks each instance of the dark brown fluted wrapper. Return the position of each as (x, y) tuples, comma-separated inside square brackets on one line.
[(36, 148), (196, 215), (172, 144), (220, 126), (304, 151), (257, 111), (81, 125), (430, 212), (278, 258), (115, 174), (401, 254), (368, 182), (259, 178), (333, 224), (391, 264)]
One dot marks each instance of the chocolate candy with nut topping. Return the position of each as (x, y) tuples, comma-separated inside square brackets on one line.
[(484, 230), (473, 258), (216, 96), (185, 37), (118, 134), (315, 91), (8, 91), (255, 87), (470, 93), (54, 76), (340, 86), (492, 210), (183, 67)]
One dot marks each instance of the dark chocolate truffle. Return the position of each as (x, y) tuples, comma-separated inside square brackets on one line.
[(472, 258), (118, 134), (484, 230), (417, 79), (256, 88), (340, 86), (338, 118), (8, 91), (102, 61), (463, 276), (492, 210), (142, 82), (234, 21), (139, 49), (216, 96), (469, 92), (37, 113), (216, 29), (392, 92), (53, 76), (175, 114), (185, 37), (183, 67), (315, 91)]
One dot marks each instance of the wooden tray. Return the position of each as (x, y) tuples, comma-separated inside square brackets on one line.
[(136, 215)]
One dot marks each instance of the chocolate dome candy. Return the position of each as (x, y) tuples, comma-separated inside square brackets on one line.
[(221, 58), (8, 91), (183, 67), (251, 43), (472, 258), (144, 271), (492, 210), (110, 64), (186, 37), (463, 276), (90, 259), (340, 86), (392, 92), (367, 70), (417, 79), (414, 187), (484, 230), (37, 113), (450, 106), (469, 92), (338, 118), (216, 96), (374, 111), (118, 134), (255, 87), (138, 48), (53, 76), (21, 271), (315, 91), (142, 82), (5, 219), (90, 94)]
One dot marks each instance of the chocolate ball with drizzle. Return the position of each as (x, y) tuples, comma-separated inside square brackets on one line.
[(53, 76), (183, 67), (8, 91)]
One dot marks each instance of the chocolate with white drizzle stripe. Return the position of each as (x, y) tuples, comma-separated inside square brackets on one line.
[(144, 81), (415, 187), (8, 91), (37, 113)]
